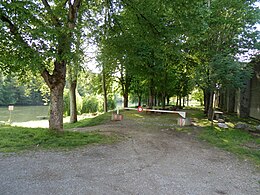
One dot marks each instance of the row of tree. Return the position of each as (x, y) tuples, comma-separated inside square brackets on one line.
[(166, 48), (12, 92), (153, 48)]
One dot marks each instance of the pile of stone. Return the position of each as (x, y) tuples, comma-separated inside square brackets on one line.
[(222, 124)]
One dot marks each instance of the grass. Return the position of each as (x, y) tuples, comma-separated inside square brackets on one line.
[(100, 119), (234, 140), (239, 142), (15, 139)]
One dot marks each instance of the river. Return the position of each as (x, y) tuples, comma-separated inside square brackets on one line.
[(23, 113)]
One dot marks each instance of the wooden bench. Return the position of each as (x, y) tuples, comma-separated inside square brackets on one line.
[(217, 114)]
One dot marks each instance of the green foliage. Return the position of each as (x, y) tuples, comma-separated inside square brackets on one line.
[(169, 46), (197, 94), (159, 47), (228, 31), (93, 104), (14, 139), (13, 91), (228, 72), (111, 104), (40, 37), (66, 103), (90, 105)]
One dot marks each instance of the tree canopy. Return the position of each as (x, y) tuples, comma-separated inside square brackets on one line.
[(171, 46)]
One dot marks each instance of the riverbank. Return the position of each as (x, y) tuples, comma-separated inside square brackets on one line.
[(45, 123)]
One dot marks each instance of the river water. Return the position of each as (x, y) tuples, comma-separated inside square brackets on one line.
[(23, 113), (30, 116)]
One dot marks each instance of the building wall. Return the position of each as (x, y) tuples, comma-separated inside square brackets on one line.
[(243, 103), (255, 94)]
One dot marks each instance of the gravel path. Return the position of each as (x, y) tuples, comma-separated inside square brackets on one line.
[(154, 160)]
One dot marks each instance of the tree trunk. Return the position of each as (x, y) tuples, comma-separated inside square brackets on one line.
[(206, 100), (126, 90), (151, 94), (150, 102), (104, 90), (127, 85), (221, 99), (139, 100), (56, 83), (126, 99), (163, 101), (179, 101), (73, 101), (210, 106), (56, 108)]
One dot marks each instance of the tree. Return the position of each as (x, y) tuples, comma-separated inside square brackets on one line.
[(37, 37), (227, 31), (13, 91), (73, 73), (144, 39)]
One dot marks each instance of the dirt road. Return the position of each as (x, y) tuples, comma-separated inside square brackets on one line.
[(153, 159)]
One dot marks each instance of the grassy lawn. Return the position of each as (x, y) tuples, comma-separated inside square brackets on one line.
[(239, 142), (234, 140), (98, 120), (14, 139)]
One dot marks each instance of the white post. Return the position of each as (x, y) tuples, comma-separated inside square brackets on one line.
[(10, 108)]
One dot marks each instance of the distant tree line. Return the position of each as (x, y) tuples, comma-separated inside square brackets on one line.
[(12, 91)]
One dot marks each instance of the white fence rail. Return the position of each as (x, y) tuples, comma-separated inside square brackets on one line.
[(182, 114)]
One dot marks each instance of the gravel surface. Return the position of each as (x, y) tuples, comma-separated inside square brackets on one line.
[(153, 159)]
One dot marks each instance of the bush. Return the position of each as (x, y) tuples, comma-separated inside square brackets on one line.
[(66, 102), (111, 104), (94, 104), (90, 105)]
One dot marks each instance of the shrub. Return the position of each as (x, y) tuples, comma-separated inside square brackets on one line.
[(90, 105), (95, 104), (111, 103), (66, 102)]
